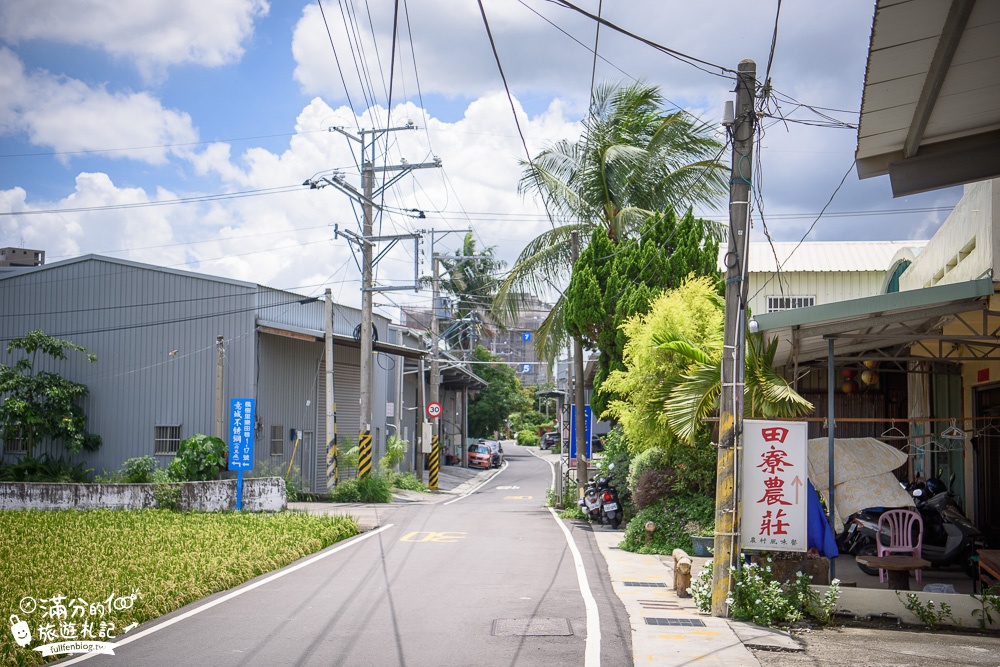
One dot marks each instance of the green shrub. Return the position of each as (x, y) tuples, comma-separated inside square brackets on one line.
[(138, 470), (654, 458), (671, 516), (291, 475), (44, 469), (199, 459), (528, 438), (166, 492), (372, 489), (407, 481)]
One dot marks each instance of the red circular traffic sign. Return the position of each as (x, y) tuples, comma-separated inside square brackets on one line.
[(434, 410)]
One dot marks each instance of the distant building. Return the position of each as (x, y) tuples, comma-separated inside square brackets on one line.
[(21, 257), (515, 345)]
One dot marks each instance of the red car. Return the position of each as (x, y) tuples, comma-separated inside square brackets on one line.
[(480, 456)]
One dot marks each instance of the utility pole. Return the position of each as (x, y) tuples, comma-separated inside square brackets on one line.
[(367, 242), (332, 471), (733, 350), (581, 422), (220, 402)]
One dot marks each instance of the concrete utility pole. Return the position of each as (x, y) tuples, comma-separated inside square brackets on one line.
[(332, 470), (367, 242), (727, 539), (581, 422)]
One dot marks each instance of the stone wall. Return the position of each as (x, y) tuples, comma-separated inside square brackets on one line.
[(261, 494)]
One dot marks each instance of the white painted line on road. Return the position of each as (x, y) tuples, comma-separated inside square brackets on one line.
[(592, 653), (488, 480), (238, 592)]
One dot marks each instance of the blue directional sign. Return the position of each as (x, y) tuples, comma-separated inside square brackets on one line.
[(241, 421), (588, 418), (526, 336)]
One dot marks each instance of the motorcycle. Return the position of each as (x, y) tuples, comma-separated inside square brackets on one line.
[(948, 537), (600, 502)]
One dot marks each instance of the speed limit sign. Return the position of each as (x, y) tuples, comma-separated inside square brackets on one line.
[(434, 410)]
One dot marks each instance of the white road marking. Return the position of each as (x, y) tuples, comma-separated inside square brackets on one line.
[(592, 653), (488, 480), (238, 592)]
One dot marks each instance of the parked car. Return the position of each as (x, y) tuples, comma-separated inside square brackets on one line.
[(597, 445), (549, 440), (497, 449), (480, 456)]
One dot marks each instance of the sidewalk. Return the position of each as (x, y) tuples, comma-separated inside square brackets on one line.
[(667, 630)]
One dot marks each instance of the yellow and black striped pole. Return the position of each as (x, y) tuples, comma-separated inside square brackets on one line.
[(435, 463), (365, 455)]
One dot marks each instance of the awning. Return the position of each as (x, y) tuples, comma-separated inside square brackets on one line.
[(315, 335), (886, 325), (930, 111)]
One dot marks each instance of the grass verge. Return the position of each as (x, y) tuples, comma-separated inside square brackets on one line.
[(166, 559)]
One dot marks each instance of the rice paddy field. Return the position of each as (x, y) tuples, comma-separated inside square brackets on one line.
[(64, 569)]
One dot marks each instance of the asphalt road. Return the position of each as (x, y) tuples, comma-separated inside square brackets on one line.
[(488, 579)]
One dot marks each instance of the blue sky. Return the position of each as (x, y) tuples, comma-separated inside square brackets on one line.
[(238, 95)]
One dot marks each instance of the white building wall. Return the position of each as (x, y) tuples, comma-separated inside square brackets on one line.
[(966, 245), (826, 287)]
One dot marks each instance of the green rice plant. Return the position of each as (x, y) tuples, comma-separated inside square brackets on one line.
[(165, 559)]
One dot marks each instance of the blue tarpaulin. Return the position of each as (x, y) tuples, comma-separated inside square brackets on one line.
[(819, 535)]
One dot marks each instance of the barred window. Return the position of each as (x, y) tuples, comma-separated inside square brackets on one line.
[(166, 439), (277, 440), (15, 445), (777, 303)]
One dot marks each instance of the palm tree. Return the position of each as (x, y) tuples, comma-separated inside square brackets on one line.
[(694, 395), (471, 277), (632, 160)]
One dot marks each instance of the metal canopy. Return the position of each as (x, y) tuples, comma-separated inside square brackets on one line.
[(947, 322), (315, 335), (930, 112)]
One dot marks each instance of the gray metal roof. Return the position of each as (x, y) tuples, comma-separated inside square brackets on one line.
[(875, 323), (930, 113)]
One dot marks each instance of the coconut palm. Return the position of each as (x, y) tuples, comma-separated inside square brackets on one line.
[(632, 159), (470, 277), (694, 395)]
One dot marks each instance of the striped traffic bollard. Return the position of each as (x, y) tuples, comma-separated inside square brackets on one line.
[(435, 463), (365, 455)]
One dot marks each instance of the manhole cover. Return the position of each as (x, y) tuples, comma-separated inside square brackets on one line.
[(689, 622), (531, 627), (646, 584)]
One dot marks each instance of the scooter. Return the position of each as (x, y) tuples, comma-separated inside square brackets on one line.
[(589, 502), (611, 509), (948, 537)]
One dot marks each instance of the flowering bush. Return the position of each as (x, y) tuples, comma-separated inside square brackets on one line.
[(701, 588), (758, 598)]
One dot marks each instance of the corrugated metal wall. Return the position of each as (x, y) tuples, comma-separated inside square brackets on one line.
[(287, 389), (346, 383), (153, 331)]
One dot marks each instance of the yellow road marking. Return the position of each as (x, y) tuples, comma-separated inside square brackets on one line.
[(517, 498), (427, 536)]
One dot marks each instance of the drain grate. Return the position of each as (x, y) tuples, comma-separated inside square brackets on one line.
[(659, 604), (531, 627), (646, 584), (687, 622)]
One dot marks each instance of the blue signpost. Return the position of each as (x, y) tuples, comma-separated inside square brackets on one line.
[(241, 421), (588, 419)]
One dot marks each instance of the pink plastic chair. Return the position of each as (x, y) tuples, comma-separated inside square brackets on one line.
[(899, 527)]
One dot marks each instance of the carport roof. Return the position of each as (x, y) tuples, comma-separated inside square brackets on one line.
[(874, 324)]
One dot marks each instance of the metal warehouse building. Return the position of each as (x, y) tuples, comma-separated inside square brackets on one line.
[(155, 332)]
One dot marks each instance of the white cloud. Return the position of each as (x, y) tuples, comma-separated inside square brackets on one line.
[(150, 33), (67, 115)]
